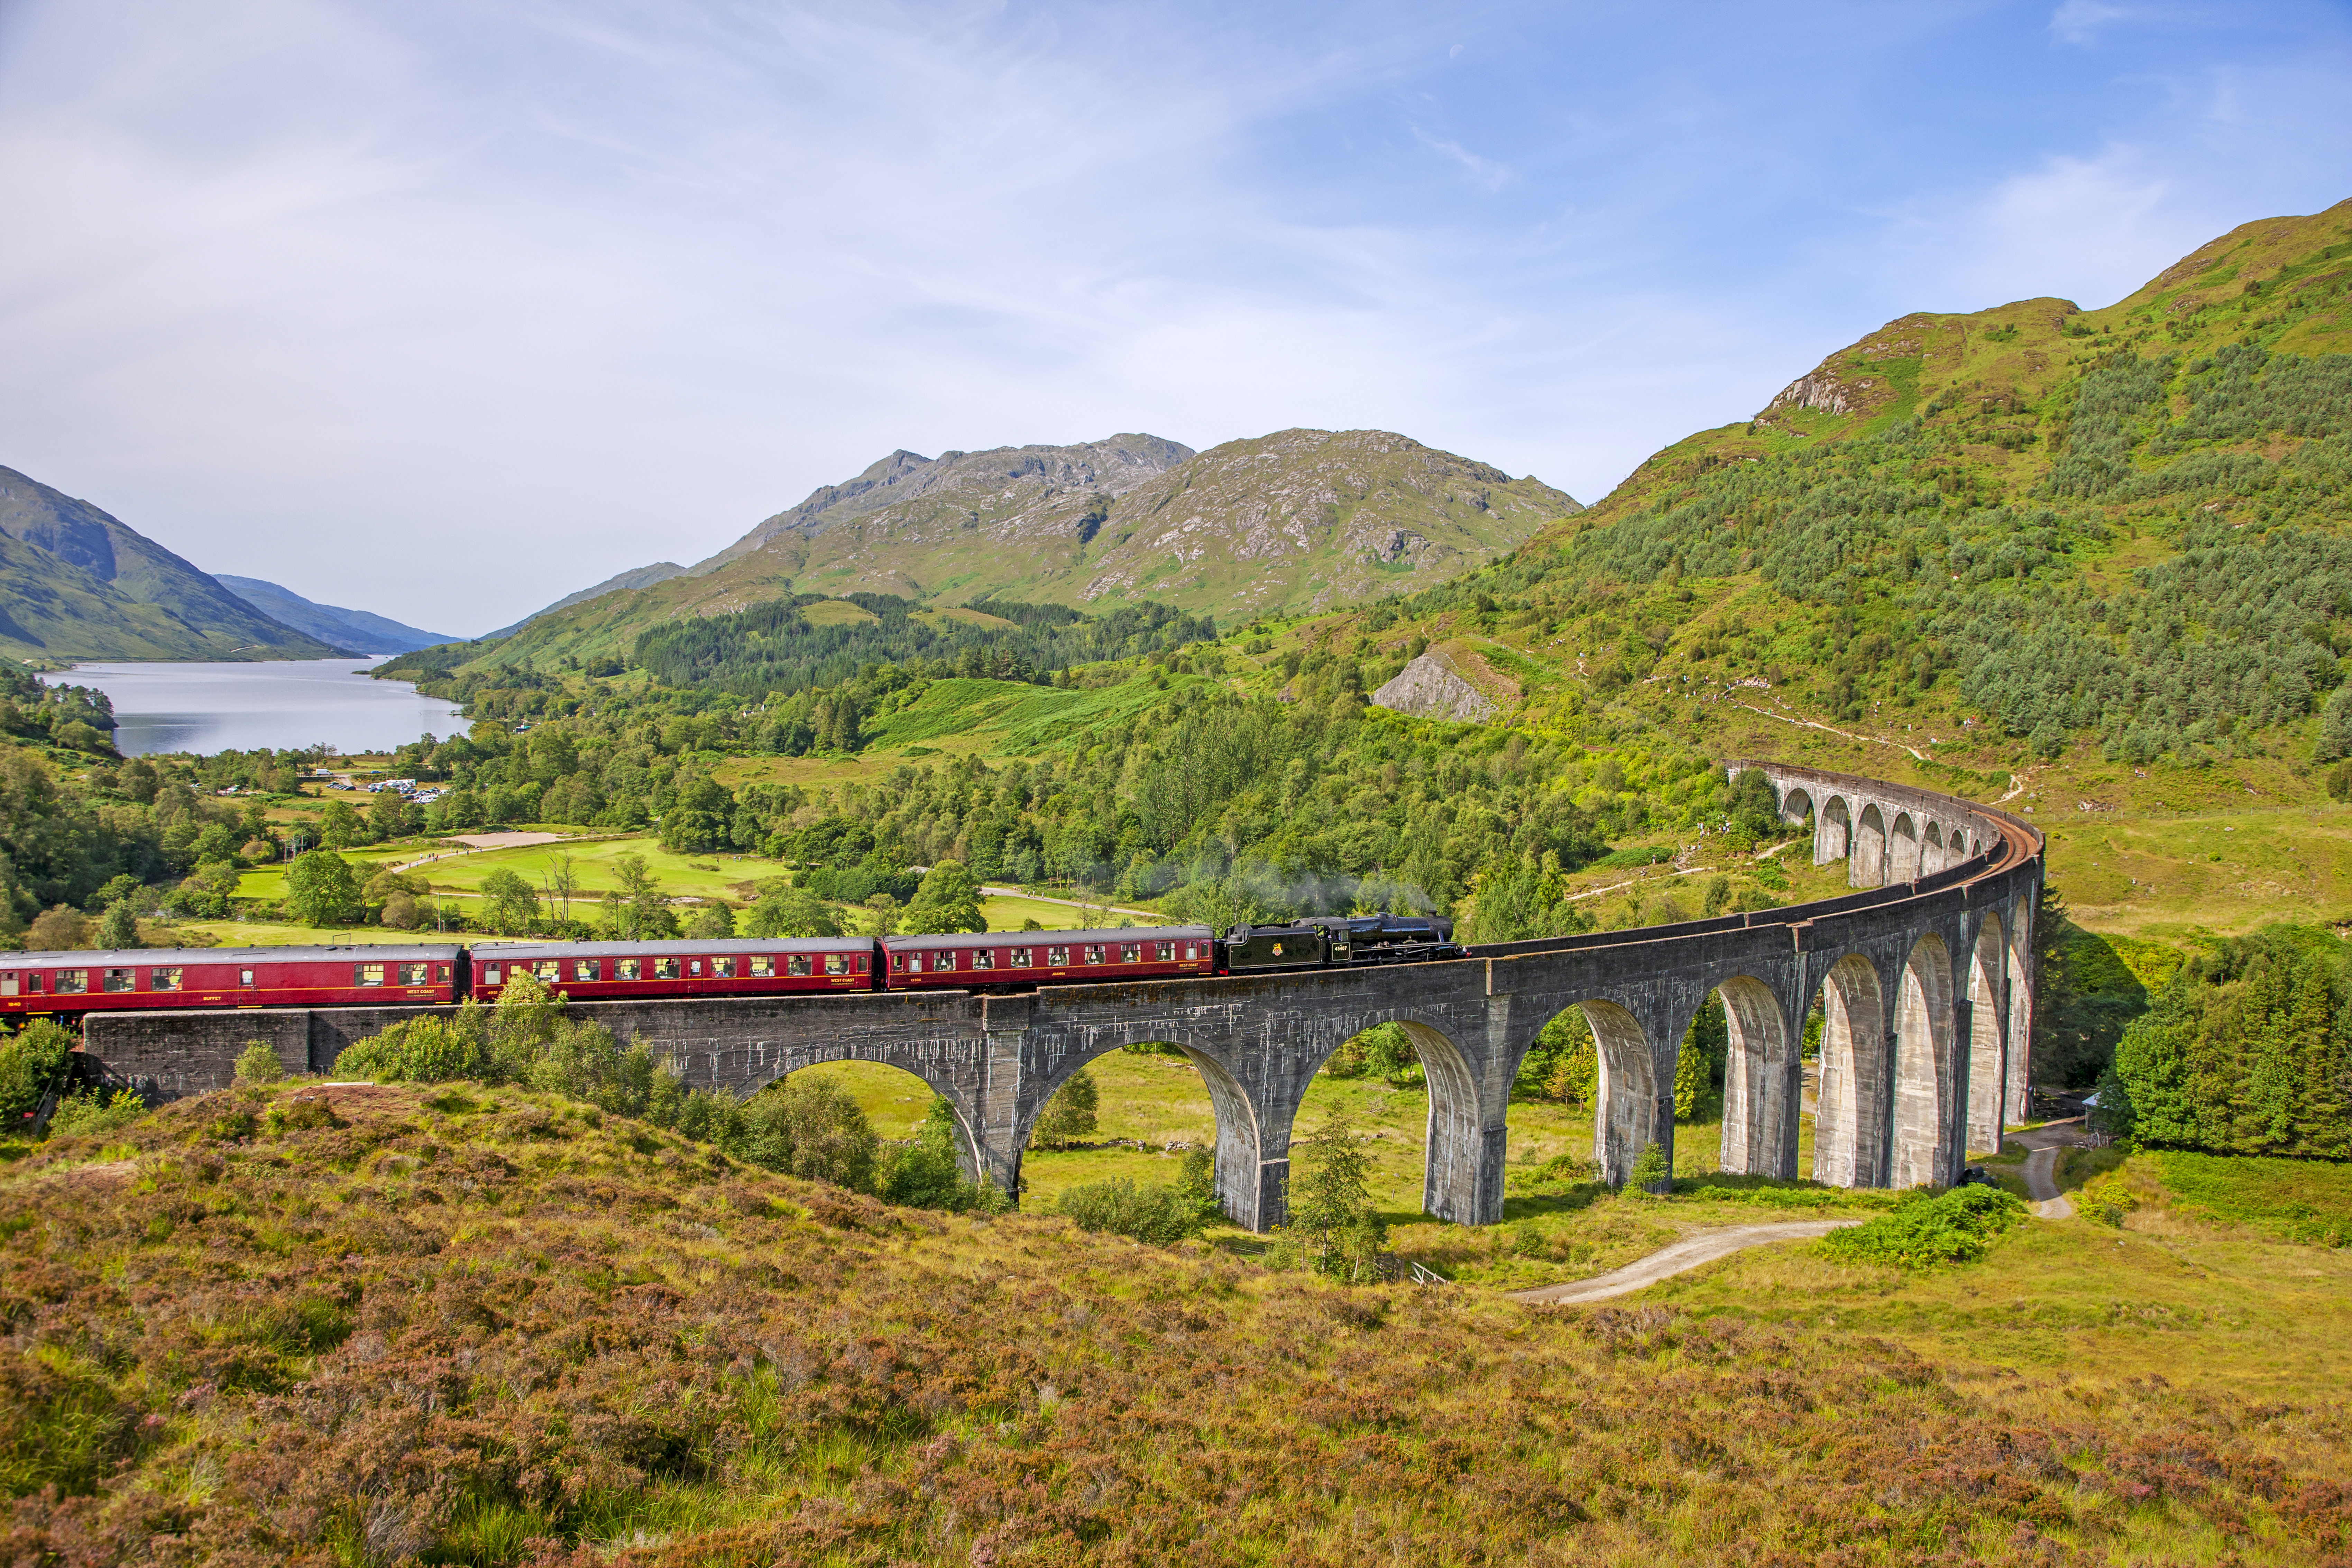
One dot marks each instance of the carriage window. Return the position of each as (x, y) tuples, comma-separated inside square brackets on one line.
[(984, 959), (836, 964), (244, 977), (8, 983), (1058, 956), (445, 971), (417, 974), (1094, 953), (665, 969), (796, 964), (163, 980), (1165, 950), (693, 966), (548, 969), (583, 969), (627, 968), (1192, 950), (1020, 958), (490, 974), (722, 969), (367, 973), (120, 979), (762, 965), (72, 982), (1131, 952), (857, 964)]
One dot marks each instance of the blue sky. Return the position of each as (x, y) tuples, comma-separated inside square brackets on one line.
[(443, 309)]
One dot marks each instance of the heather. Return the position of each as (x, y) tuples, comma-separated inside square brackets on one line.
[(469, 1324)]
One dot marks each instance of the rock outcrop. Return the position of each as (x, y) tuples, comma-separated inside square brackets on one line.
[(1429, 687)]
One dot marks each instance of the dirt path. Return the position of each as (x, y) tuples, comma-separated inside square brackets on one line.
[(2042, 1145), (1682, 1256)]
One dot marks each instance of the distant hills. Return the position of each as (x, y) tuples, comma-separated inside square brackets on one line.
[(355, 631), (1299, 520), (78, 584)]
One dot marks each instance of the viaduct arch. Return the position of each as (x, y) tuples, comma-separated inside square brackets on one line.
[(1924, 971)]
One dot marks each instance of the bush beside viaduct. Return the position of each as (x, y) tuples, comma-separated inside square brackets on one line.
[(1922, 973)]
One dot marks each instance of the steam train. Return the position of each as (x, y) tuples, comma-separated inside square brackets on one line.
[(422, 974)]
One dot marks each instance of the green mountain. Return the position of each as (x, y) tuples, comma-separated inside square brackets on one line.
[(635, 577), (77, 584), (1295, 522), (2125, 527)]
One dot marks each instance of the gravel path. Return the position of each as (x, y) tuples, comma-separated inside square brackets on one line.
[(1685, 1254), (2042, 1145)]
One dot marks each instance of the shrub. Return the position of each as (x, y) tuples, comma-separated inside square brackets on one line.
[(1158, 1213), (1651, 1174), (259, 1064), (1070, 1113), (82, 1115), (415, 1050), (1925, 1229), (809, 1128), (31, 1063)]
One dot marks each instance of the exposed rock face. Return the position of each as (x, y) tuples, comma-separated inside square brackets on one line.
[(1047, 490), (1429, 688)]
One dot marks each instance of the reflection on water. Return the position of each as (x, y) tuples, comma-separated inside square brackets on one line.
[(284, 705)]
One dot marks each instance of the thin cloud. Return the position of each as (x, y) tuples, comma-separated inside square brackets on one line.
[(1482, 172)]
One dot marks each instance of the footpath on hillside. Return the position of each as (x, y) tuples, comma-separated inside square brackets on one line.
[(2042, 1144)]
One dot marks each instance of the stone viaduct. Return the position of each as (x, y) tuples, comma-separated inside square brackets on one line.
[(1922, 973)]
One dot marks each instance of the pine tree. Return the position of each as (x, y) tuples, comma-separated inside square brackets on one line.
[(1331, 1200)]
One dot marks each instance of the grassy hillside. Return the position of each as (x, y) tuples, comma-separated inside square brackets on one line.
[(358, 1324), (77, 584)]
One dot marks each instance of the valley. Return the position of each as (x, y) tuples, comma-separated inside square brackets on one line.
[(521, 1292)]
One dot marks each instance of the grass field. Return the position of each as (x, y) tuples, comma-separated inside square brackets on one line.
[(896, 1386)]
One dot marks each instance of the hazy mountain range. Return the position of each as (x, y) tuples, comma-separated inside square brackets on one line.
[(353, 631)]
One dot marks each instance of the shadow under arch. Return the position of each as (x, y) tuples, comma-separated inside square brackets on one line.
[(1249, 1176), (1902, 848), (1850, 1115), (1761, 1089), (1457, 1168), (1796, 806), (1625, 1117), (1987, 1050), (1833, 838), (1920, 1148), (1868, 867)]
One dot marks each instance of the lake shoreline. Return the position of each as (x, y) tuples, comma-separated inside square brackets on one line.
[(201, 708)]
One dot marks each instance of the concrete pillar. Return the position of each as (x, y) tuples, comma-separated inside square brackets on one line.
[(990, 1109), (2018, 1066)]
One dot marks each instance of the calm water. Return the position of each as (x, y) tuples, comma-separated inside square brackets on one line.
[(286, 705)]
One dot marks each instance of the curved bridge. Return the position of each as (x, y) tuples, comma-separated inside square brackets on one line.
[(1922, 973)]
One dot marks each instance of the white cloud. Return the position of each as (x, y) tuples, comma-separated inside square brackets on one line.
[(2080, 21)]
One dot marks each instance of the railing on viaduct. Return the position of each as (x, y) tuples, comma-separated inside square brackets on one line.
[(1922, 973)]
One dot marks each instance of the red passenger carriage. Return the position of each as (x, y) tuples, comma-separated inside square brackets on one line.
[(1018, 958), (154, 977), (620, 971)]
